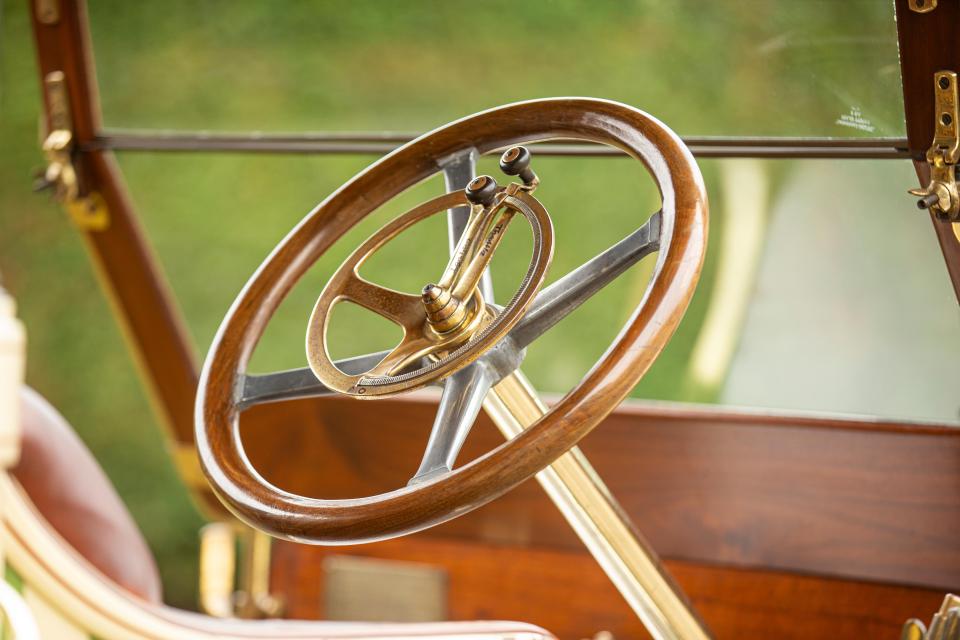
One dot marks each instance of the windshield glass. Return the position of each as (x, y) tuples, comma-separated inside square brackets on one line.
[(721, 68)]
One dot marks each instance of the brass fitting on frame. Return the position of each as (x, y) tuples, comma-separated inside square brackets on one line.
[(941, 195)]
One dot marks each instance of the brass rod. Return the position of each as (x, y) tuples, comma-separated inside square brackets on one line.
[(218, 565), (586, 503)]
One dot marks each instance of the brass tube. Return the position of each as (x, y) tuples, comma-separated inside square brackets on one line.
[(586, 503), (217, 569)]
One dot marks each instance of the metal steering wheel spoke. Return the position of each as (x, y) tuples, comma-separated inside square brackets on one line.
[(464, 391), (293, 384), (460, 403), (402, 308), (557, 301), (410, 350)]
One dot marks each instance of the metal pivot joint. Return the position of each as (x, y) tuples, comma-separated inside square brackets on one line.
[(941, 195)]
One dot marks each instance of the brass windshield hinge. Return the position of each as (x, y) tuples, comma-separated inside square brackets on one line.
[(88, 211), (941, 196)]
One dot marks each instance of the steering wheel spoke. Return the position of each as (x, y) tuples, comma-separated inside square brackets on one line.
[(460, 403), (293, 384), (409, 351), (561, 298), (402, 308)]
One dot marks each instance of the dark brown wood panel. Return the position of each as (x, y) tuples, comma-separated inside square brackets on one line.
[(928, 43), (854, 499), (567, 593)]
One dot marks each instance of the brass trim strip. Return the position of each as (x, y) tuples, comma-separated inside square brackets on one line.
[(606, 531)]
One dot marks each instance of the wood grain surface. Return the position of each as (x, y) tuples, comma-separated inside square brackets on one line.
[(566, 592)]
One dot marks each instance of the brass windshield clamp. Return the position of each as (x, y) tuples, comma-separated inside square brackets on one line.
[(88, 211), (941, 195)]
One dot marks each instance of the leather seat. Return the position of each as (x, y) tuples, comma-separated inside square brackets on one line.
[(73, 494), (68, 487)]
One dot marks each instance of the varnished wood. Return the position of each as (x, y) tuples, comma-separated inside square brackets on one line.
[(568, 593), (929, 42), (426, 504), (849, 498)]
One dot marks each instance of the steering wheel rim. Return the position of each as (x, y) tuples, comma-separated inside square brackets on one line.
[(413, 508)]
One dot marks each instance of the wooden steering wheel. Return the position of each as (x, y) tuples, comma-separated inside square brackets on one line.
[(453, 333)]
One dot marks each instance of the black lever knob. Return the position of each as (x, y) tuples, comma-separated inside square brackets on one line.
[(481, 190), (515, 161)]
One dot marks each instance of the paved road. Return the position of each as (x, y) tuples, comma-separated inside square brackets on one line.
[(853, 310)]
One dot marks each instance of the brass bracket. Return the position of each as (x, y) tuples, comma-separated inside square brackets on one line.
[(922, 6), (941, 195), (88, 211)]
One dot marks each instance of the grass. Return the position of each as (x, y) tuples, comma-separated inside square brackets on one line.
[(733, 68)]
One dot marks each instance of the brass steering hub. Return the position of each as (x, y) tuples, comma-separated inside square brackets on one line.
[(449, 325)]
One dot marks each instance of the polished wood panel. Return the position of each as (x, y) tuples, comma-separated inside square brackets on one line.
[(858, 499), (566, 592)]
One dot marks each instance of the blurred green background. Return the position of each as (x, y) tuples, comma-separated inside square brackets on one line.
[(749, 67)]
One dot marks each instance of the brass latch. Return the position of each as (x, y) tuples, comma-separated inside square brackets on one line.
[(88, 211), (941, 195)]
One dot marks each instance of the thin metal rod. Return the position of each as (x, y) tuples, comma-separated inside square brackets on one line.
[(580, 495), (381, 142), (293, 384), (561, 298), (462, 399)]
